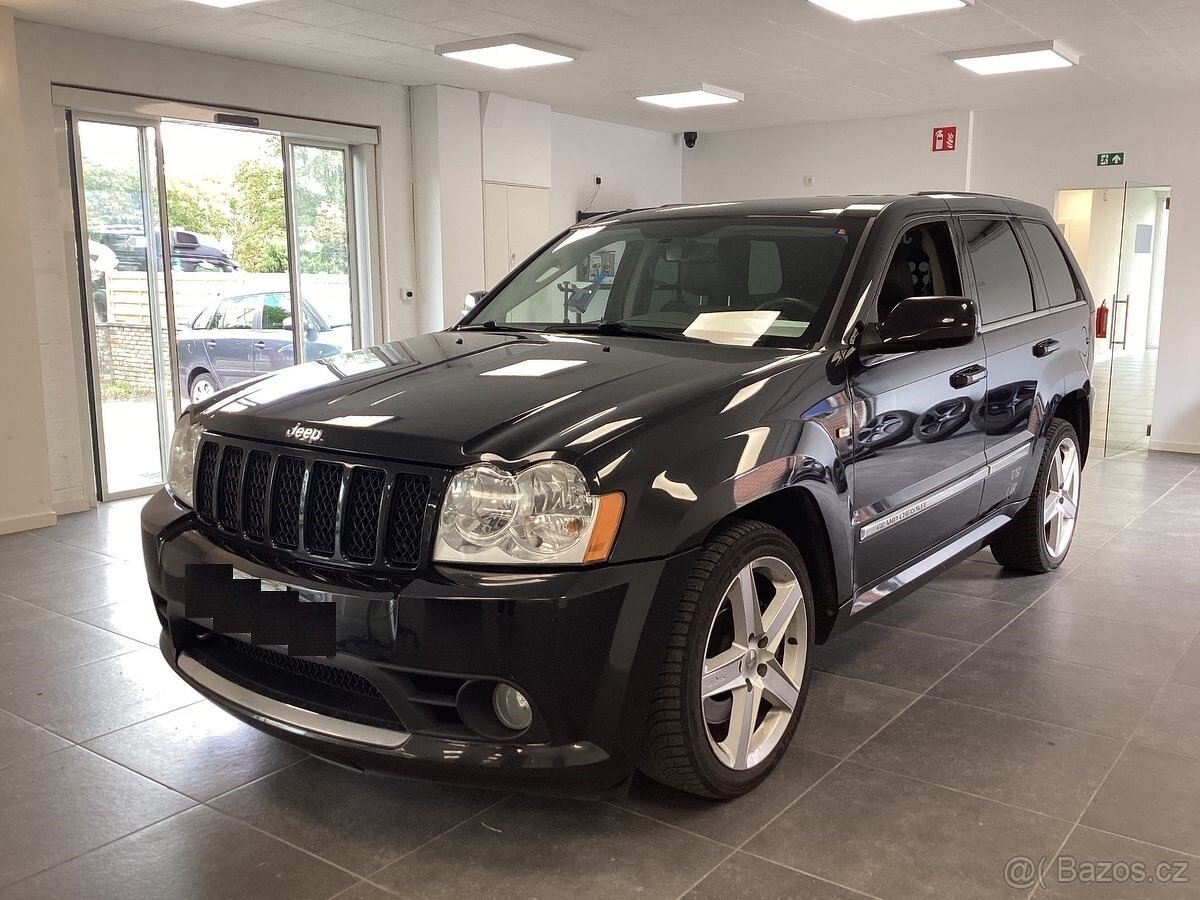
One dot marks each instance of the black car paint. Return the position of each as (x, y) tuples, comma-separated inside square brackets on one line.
[(690, 434)]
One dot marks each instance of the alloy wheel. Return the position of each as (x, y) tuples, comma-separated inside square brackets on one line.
[(754, 663), (202, 389), (1061, 503)]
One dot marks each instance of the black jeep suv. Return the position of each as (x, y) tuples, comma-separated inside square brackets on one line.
[(586, 531)]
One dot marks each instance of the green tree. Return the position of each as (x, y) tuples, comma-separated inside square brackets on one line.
[(203, 209), (258, 217)]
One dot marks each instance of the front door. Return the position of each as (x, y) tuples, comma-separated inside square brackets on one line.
[(918, 449)]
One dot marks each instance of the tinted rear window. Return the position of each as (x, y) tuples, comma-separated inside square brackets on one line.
[(1002, 280), (1060, 283)]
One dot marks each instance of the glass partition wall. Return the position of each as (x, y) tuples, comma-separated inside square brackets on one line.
[(214, 254)]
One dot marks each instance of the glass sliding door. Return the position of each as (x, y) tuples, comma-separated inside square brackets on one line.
[(1132, 344), (214, 254), (127, 296), (323, 281), (226, 208)]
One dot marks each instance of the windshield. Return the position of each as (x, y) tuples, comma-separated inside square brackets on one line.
[(757, 282)]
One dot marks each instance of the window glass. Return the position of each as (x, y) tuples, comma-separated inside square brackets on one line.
[(277, 310), (924, 265), (1002, 279), (240, 312), (725, 281), (1060, 282), (766, 270)]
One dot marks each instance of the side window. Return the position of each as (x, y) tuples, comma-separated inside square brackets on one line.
[(276, 311), (239, 313), (1061, 286), (924, 265), (1002, 279)]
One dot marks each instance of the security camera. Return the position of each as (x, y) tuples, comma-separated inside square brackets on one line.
[(689, 139)]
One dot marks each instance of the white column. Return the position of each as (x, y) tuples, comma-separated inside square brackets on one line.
[(24, 461)]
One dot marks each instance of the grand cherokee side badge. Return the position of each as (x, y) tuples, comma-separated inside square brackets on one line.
[(305, 433)]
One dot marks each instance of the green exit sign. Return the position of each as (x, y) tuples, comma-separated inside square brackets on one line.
[(1110, 159)]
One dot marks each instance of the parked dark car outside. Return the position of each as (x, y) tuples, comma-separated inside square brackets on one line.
[(238, 338), (188, 253), (554, 544)]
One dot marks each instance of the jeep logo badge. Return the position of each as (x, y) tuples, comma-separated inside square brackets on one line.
[(305, 433)]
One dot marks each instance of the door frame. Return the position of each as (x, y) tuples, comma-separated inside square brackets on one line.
[(165, 423), (368, 319)]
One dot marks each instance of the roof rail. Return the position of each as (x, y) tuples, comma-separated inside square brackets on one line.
[(959, 193)]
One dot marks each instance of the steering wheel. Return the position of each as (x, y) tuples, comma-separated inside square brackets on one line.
[(792, 308)]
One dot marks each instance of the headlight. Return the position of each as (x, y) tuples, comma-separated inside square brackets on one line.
[(182, 464), (543, 514)]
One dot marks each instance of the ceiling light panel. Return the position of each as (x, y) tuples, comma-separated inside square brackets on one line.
[(704, 95), (1016, 58), (862, 10), (509, 51)]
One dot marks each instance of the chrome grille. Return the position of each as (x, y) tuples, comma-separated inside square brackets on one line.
[(311, 506)]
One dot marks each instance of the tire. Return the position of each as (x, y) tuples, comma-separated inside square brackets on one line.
[(683, 745), (202, 387), (1029, 543)]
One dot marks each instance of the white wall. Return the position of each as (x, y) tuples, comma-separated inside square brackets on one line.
[(46, 54), (448, 171), (463, 139), (638, 167), (1033, 152), (878, 156), (25, 499), (516, 140)]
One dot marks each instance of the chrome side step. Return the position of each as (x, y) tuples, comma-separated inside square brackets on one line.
[(286, 716), (924, 566)]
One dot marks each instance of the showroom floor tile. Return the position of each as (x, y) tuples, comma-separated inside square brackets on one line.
[(989, 716)]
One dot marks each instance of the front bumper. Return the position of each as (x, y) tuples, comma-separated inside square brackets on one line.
[(406, 689)]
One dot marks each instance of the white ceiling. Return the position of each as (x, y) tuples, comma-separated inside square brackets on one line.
[(795, 62)]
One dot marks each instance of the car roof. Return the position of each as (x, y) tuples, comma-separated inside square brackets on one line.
[(840, 206)]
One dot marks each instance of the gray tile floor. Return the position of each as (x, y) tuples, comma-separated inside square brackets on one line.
[(985, 718)]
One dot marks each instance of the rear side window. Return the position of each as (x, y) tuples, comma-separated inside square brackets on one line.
[(1060, 282), (1002, 281)]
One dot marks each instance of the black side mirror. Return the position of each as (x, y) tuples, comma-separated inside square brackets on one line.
[(922, 323), (470, 302)]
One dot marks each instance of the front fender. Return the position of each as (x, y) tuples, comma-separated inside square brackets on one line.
[(674, 506)]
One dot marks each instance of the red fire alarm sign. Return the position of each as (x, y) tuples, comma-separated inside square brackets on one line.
[(945, 138)]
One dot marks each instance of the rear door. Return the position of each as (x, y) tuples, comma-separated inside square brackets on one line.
[(231, 345), (917, 453), (273, 344), (1023, 341), (1033, 314)]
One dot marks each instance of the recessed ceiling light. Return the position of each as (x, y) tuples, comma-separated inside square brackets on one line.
[(1016, 58), (861, 10), (704, 95), (507, 51), (225, 4)]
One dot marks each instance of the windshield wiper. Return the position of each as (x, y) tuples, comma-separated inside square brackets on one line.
[(620, 329), (493, 325)]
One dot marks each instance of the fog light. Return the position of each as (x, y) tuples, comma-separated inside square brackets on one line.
[(511, 707)]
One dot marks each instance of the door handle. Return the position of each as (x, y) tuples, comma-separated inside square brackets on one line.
[(1045, 348), (211, 345), (260, 345), (967, 377)]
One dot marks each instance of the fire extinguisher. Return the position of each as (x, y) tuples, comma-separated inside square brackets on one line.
[(1102, 320)]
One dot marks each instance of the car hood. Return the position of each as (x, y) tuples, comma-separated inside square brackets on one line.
[(453, 398)]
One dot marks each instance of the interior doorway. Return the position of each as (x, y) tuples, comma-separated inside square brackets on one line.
[(1119, 236), (215, 253)]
